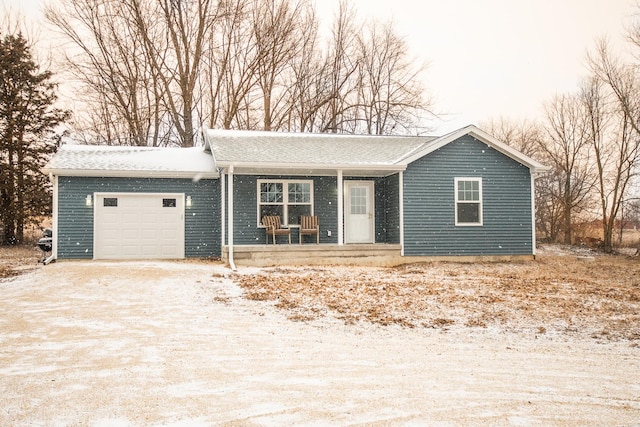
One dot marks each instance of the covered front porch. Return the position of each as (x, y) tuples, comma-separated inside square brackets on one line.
[(281, 254), (359, 215)]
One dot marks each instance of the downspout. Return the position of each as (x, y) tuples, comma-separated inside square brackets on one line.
[(223, 209), (401, 210), (533, 214), (230, 217), (340, 209), (54, 221)]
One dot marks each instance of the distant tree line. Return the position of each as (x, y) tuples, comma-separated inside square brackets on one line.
[(151, 72), (591, 140)]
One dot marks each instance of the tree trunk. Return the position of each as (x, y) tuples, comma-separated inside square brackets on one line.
[(607, 238), (567, 213), (9, 236)]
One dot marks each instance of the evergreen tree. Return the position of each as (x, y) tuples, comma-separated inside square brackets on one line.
[(27, 121)]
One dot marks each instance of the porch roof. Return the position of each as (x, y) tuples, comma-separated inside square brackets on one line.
[(309, 153)]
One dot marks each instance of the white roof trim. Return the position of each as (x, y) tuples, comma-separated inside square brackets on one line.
[(313, 166), (482, 136), (132, 173)]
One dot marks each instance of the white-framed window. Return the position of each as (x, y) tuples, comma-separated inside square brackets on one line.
[(468, 201), (287, 198)]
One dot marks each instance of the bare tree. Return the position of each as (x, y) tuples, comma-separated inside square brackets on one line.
[(390, 96), (174, 33), (615, 142), (525, 136), (154, 70), (141, 58), (307, 80), (231, 63), (568, 151), (277, 31), (109, 60), (341, 65)]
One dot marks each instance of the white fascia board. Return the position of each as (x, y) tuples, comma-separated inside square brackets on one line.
[(484, 137), (312, 166), (132, 174)]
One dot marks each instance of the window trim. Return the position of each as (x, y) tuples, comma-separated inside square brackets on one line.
[(285, 198), (479, 202)]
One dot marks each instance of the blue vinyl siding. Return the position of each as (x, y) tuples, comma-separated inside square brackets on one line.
[(429, 207), (245, 202), (75, 219), (388, 209), (246, 231)]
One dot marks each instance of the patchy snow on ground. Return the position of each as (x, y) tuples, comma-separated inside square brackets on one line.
[(177, 343)]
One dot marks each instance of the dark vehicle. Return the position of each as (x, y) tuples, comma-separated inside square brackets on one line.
[(46, 243)]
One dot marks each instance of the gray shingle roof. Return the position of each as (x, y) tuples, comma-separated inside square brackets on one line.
[(266, 152), (96, 160), (255, 147)]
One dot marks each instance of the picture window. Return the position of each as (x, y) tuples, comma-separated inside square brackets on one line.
[(287, 199)]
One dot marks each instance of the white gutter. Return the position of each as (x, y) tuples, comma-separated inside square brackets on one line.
[(134, 173), (401, 211), (54, 221), (340, 208), (230, 207)]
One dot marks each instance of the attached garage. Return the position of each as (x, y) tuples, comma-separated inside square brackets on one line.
[(134, 203), (138, 226)]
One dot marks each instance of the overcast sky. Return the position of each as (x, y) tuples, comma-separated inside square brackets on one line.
[(492, 58), (489, 58)]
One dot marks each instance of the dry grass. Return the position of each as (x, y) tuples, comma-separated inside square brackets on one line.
[(17, 259), (556, 294), (564, 295)]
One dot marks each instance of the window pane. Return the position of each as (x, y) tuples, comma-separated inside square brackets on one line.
[(299, 192), (468, 213), (168, 203), (271, 210), (296, 210), (469, 191), (358, 200), (271, 192), (111, 202)]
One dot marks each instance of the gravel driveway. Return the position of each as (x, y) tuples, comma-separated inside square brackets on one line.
[(162, 343)]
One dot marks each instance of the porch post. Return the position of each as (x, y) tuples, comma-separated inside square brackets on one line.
[(340, 209), (223, 209), (401, 210), (230, 219)]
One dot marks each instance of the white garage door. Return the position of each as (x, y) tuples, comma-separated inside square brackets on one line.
[(138, 226)]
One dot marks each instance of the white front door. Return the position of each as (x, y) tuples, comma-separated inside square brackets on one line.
[(359, 208)]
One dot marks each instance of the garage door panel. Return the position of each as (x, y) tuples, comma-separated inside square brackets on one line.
[(139, 227)]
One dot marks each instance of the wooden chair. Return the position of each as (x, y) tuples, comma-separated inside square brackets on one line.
[(309, 225), (274, 228)]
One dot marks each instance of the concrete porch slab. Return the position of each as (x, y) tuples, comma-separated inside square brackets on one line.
[(266, 255)]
